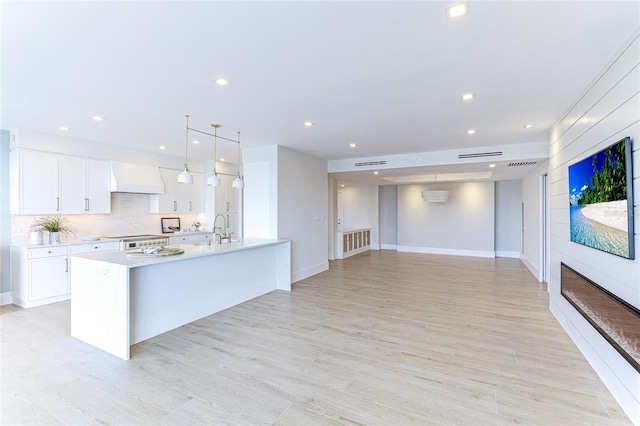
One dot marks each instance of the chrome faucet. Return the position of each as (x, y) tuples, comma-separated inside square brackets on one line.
[(222, 237)]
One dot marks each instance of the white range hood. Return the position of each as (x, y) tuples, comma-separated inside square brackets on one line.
[(137, 178)]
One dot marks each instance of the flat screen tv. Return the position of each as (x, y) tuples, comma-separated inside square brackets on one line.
[(601, 200)]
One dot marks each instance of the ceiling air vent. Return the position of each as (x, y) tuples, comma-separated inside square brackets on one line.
[(522, 163), (480, 154), (371, 163)]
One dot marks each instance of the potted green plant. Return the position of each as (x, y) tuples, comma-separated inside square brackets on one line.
[(55, 225)]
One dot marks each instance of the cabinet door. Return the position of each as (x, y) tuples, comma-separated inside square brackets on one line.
[(98, 190), (72, 184), (196, 204), (48, 277), (166, 203), (221, 194), (233, 196), (38, 183), (227, 197)]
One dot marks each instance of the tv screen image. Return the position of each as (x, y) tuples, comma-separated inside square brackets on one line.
[(601, 200)]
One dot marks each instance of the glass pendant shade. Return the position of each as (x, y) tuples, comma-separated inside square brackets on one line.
[(213, 180), (185, 176), (238, 183)]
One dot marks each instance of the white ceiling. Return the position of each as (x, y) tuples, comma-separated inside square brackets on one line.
[(386, 75)]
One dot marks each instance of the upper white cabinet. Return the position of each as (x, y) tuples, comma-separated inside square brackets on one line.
[(227, 203), (85, 185), (179, 197), (44, 183), (226, 196)]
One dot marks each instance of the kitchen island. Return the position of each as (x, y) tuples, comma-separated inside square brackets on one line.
[(120, 300)]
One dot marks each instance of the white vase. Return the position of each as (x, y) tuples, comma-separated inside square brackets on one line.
[(54, 238), (35, 237)]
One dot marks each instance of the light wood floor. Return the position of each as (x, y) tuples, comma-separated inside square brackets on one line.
[(381, 338)]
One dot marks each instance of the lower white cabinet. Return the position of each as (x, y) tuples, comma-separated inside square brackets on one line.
[(42, 275), (191, 238)]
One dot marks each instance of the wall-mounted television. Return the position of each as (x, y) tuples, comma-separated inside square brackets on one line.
[(601, 200)]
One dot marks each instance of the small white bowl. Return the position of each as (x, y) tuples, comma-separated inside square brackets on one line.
[(91, 238)]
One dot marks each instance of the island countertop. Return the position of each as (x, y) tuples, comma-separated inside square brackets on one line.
[(118, 301), (190, 251)]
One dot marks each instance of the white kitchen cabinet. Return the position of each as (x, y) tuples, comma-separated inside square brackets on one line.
[(226, 196), (191, 238), (179, 197), (227, 203), (98, 186), (45, 183), (34, 183), (42, 275)]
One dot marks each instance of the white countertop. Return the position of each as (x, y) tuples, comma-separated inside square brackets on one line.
[(190, 251), (72, 242)]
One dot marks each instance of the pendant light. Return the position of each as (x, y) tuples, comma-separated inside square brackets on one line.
[(238, 182), (185, 176), (214, 180)]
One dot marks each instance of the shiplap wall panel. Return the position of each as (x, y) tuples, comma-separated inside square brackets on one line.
[(605, 114), (611, 106), (616, 72)]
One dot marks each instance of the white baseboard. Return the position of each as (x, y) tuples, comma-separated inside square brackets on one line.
[(450, 252), (389, 247), (308, 272), (511, 254), (534, 270), (5, 298)]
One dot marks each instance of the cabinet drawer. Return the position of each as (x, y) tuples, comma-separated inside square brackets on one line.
[(94, 248), (47, 252), (178, 239)]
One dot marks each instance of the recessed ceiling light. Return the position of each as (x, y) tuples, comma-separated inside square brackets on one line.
[(196, 142), (64, 128), (457, 10), (493, 166), (528, 126), (342, 186), (97, 118), (162, 147), (222, 81), (308, 123), (353, 145), (222, 159), (375, 173), (471, 131), (468, 96)]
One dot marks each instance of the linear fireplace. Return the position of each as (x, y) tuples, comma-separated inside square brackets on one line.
[(616, 320)]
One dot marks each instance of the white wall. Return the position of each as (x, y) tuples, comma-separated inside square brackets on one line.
[(508, 218), (464, 225), (5, 218), (531, 197), (360, 210), (388, 211), (302, 211), (606, 112), (297, 202)]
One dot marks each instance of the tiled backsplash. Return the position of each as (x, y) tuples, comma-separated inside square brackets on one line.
[(129, 216)]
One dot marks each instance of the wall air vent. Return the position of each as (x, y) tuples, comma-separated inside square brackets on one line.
[(522, 163), (371, 163), (480, 154)]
